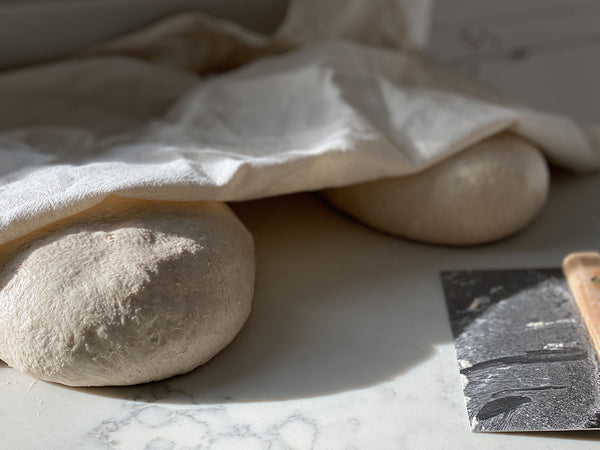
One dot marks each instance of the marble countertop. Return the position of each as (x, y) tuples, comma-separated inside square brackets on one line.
[(348, 345)]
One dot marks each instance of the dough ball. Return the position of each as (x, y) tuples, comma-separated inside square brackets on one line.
[(127, 292), (487, 192)]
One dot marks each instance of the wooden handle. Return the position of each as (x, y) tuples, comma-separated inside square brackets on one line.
[(583, 275)]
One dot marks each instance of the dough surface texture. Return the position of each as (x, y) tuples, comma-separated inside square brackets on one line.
[(127, 292), (485, 193)]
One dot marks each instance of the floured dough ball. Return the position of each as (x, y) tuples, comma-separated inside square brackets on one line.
[(487, 192), (127, 292)]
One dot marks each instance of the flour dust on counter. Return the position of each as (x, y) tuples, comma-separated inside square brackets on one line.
[(525, 358)]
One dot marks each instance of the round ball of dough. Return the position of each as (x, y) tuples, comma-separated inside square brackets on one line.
[(127, 292), (487, 192)]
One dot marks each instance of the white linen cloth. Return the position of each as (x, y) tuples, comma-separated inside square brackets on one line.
[(194, 108)]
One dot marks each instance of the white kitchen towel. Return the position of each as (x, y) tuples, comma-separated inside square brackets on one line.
[(194, 108)]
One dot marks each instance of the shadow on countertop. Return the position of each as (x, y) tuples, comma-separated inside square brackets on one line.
[(337, 307), (340, 307)]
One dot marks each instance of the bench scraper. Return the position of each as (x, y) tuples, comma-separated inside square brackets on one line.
[(527, 345)]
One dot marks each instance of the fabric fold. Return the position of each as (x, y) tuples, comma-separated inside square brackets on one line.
[(199, 109)]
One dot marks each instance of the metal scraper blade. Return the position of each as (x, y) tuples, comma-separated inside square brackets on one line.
[(525, 357)]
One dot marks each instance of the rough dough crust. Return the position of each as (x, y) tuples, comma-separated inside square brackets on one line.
[(127, 292), (485, 193)]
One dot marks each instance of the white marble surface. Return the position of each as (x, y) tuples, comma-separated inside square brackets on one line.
[(348, 345)]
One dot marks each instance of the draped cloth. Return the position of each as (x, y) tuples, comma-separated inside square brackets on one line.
[(196, 108)]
